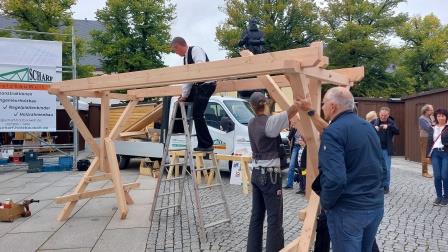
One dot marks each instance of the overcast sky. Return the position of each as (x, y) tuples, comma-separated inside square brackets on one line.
[(197, 20)]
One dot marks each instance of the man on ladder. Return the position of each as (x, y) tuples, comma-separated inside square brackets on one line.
[(264, 135), (199, 93)]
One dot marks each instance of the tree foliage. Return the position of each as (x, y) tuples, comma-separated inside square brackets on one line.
[(135, 36), (286, 23), (358, 35), (47, 16), (425, 53)]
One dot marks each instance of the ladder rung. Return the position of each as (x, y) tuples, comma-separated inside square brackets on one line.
[(216, 223), (180, 119), (180, 149), (176, 178), (174, 164), (169, 193), (213, 204), (209, 186), (167, 207), (206, 168)]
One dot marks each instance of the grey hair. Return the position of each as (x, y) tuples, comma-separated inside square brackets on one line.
[(426, 108), (342, 97)]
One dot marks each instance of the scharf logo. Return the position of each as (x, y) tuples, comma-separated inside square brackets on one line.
[(27, 74)]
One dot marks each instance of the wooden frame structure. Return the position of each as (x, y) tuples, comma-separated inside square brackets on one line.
[(302, 69)]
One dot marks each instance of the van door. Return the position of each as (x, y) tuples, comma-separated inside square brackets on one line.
[(214, 116)]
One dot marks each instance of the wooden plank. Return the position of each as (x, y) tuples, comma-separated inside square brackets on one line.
[(133, 134), (216, 70), (104, 130), (116, 178), (233, 157), (82, 185), (71, 111), (155, 115), (124, 116), (353, 74), (94, 193), (304, 242)]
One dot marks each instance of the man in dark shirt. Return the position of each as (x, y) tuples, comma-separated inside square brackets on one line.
[(351, 170), (386, 129)]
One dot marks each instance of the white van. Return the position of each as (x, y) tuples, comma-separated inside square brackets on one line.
[(227, 119)]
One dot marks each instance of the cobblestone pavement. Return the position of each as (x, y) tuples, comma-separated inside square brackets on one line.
[(410, 223)]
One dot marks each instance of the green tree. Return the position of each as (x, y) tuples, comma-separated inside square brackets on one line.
[(47, 16), (425, 53), (135, 36), (358, 36), (286, 24)]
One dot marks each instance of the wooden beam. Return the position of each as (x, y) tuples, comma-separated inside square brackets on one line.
[(105, 176), (233, 157), (104, 129), (124, 116), (353, 74), (300, 87), (116, 178), (71, 111), (216, 70), (82, 185), (305, 241), (140, 124), (95, 193), (98, 94)]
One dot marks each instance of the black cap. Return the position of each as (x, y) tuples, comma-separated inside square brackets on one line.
[(257, 99)]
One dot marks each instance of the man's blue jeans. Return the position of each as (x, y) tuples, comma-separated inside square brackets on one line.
[(439, 160), (292, 164), (388, 160), (353, 230)]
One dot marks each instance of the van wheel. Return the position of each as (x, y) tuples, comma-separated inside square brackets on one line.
[(123, 161)]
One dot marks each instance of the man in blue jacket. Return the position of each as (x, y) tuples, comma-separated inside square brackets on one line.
[(352, 169)]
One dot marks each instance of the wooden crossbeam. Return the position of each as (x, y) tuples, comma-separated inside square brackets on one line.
[(124, 116), (353, 74), (245, 172), (95, 193), (216, 70), (83, 130), (99, 94)]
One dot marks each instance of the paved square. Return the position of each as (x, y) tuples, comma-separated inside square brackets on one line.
[(410, 223)]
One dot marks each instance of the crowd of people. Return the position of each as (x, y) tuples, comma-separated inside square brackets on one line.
[(354, 169)]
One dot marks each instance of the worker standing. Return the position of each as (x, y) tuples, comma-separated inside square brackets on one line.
[(267, 197)]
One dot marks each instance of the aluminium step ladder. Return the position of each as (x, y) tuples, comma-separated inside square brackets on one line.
[(170, 189)]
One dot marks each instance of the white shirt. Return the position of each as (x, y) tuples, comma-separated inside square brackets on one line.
[(198, 56), (437, 132), (274, 126)]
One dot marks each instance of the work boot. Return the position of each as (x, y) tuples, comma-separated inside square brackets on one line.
[(437, 201), (444, 202), (427, 175)]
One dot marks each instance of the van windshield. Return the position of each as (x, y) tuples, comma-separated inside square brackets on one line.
[(241, 110)]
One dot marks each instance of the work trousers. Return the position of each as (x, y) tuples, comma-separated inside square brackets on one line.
[(266, 198)]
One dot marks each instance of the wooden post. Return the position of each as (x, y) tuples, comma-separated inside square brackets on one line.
[(104, 124)]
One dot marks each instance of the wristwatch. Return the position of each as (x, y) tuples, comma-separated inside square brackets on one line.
[(311, 112)]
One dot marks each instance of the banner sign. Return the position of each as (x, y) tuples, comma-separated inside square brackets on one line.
[(241, 149), (27, 67)]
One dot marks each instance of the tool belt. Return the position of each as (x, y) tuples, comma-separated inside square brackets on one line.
[(271, 171)]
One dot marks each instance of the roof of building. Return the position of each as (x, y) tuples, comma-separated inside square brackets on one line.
[(430, 92), (82, 30)]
